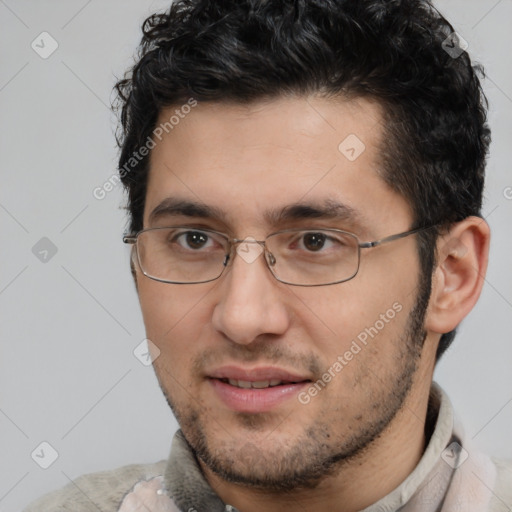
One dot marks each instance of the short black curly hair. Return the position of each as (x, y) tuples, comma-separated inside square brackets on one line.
[(393, 51)]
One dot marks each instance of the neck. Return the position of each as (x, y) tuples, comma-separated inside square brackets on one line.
[(359, 482)]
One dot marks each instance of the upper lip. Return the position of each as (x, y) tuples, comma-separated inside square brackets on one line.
[(257, 374)]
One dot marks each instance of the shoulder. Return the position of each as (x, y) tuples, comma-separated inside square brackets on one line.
[(503, 487), (97, 491)]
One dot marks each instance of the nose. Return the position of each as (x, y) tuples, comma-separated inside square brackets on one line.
[(251, 302)]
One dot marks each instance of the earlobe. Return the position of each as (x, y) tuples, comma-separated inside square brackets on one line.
[(462, 255)]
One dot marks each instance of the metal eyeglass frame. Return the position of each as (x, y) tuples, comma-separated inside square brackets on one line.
[(132, 239)]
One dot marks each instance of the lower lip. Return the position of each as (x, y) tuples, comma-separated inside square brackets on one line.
[(253, 400)]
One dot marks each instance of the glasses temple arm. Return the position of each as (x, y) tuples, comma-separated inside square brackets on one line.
[(391, 238)]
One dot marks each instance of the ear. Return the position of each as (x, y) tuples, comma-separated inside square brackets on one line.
[(462, 255)]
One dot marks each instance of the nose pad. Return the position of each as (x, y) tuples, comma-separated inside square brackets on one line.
[(271, 259)]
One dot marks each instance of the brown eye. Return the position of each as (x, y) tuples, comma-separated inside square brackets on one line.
[(196, 239), (314, 241), (193, 241)]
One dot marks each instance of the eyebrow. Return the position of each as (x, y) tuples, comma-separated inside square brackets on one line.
[(328, 209)]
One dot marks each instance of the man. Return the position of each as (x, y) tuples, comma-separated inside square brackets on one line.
[(305, 183)]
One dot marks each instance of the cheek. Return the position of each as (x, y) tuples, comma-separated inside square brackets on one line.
[(365, 309), (363, 344), (174, 316)]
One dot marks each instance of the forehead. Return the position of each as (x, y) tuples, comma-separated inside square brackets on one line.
[(250, 163)]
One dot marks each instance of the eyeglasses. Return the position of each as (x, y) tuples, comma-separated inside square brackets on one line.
[(299, 257)]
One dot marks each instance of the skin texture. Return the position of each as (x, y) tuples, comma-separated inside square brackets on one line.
[(360, 437)]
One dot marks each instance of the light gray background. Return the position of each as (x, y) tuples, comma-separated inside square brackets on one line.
[(69, 326)]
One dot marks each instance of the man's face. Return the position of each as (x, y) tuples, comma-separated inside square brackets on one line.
[(247, 326)]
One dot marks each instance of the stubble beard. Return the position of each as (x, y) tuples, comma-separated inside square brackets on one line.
[(317, 453)]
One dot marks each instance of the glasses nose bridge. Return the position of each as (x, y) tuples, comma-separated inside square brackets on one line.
[(233, 242), (247, 240)]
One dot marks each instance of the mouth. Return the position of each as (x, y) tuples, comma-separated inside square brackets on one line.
[(255, 390), (260, 384)]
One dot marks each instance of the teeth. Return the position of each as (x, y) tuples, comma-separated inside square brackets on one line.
[(260, 384)]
